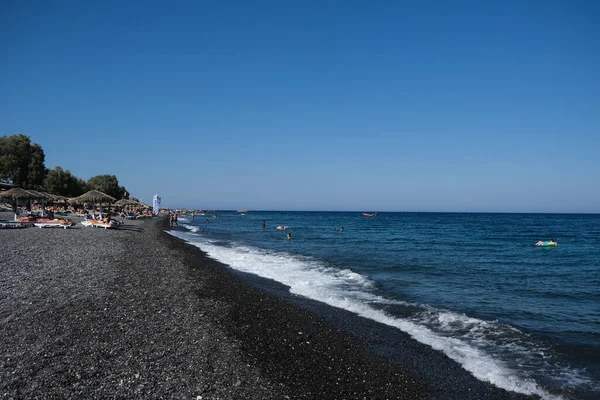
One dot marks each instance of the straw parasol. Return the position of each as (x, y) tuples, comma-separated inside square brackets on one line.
[(57, 197), (127, 202), (17, 193), (41, 196), (93, 196)]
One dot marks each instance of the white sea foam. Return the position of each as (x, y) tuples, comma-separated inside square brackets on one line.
[(191, 228), (350, 291)]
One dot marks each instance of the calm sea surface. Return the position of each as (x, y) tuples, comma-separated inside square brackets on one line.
[(473, 286)]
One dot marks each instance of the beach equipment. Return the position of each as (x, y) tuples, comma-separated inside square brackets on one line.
[(44, 197), (94, 197), (281, 228), (56, 198), (547, 243), (97, 224), (127, 202), (156, 204), (53, 223), (17, 193), (10, 225)]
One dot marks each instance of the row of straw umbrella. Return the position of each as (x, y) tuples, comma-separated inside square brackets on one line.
[(17, 193), (93, 196)]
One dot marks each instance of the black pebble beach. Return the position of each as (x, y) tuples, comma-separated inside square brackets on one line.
[(137, 313)]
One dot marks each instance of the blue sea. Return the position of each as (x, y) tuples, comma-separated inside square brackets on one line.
[(473, 286)]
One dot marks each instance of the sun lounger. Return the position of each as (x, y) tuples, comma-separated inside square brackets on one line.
[(56, 223), (11, 225), (97, 224)]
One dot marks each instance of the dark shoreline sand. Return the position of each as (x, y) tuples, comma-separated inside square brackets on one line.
[(137, 313)]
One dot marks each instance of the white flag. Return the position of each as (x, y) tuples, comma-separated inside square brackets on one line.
[(156, 204)]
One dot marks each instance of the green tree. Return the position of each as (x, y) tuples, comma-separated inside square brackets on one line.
[(21, 162), (59, 181), (108, 184), (37, 169), (125, 194)]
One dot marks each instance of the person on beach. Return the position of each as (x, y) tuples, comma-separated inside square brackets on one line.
[(289, 236)]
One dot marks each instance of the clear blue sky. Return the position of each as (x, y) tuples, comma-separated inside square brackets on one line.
[(302, 105)]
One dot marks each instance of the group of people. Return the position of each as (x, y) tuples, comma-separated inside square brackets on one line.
[(173, 218), (263, 224)]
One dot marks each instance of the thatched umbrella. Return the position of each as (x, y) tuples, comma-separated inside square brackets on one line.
[(56, 197), (127, 202), (15, 194), (93, 196), (41, 196)]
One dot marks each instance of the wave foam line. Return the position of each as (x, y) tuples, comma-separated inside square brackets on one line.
[(345, 289)]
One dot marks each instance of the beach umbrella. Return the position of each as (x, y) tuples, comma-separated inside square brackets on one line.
[(126, 202), (93, 196), (41, 196), (17, 193), (57, 198)]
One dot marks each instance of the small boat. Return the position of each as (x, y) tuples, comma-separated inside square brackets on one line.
[(369, 214)]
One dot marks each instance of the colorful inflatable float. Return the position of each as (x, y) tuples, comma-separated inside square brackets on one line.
[(547, 243)]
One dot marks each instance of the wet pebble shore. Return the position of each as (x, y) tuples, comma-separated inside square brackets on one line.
[(136, 313)]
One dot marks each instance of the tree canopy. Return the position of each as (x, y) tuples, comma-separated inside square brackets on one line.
[(64, 183), (108, 184), (21, 162)]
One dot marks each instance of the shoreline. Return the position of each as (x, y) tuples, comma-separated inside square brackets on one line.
[(137, 312)]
